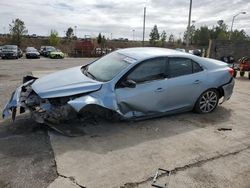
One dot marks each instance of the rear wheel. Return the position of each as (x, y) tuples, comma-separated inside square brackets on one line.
[(207, 102), (249, 75), (242, 73)]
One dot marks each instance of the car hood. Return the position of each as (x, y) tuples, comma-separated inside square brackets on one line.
[(65, 83)]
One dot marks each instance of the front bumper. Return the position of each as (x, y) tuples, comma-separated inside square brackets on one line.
[(228, 90), (9, 55), (15, 102)]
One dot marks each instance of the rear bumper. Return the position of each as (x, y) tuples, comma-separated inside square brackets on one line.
[(228, 90)]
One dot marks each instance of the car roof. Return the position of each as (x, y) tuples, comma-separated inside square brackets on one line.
[(150, 52)]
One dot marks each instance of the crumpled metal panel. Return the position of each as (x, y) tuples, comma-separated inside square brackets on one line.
[(65, 83), (14, 101)]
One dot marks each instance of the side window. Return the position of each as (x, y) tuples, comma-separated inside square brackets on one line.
[(152, 69), (182, 66), (179, 67)]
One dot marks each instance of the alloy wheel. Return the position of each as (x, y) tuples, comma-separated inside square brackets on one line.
[(208, 101)]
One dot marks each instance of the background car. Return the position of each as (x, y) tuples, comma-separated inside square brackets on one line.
[(10, 52), (47, 49), (56, 54), (132, 83), (41, 50), (19, 52), (32, 52), (180, 49), (1, 51)]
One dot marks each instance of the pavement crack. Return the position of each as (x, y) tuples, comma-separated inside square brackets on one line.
[(183, 168), (70, 178)]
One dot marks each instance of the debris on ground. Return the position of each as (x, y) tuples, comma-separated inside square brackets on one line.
[(224, 129)]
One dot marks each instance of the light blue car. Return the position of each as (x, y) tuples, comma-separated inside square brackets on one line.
[(128, 83)]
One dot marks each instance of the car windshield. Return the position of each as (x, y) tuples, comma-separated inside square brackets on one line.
[(31, 50), (105, 68), (50, 49), (10, 47)]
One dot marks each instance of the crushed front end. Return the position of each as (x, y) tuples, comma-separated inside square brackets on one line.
[(50, 111)]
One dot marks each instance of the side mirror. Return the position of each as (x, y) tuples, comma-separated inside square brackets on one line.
[(129, 83)]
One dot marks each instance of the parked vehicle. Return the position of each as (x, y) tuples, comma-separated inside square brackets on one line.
[(10, 52), (41, 50), (1, 51), (47, 49), (32, 52), (244, 66), (56, 54), (180, 49), (20, 53), (231, 63), (128, 83)]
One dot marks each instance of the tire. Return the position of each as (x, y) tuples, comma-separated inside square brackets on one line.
[(242, 73), (235, 73), (207, 101), (249, 75)]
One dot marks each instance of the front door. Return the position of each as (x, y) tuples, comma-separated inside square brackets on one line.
[(150, 89)]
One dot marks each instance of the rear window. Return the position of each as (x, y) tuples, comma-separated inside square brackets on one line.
[(182, 66)]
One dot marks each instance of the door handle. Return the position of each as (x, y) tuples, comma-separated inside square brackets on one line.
[(159, 89), (197, 82)]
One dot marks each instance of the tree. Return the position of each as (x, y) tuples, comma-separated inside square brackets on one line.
[(171, 38), (220, 31), (239, 35), (99, 39), (163, 38), (191, 36), (17, 30), (202, 36), (69, 33), (154, 36), (53, 38), (103, 44)]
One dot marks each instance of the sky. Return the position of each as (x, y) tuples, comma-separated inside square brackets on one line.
[(120, 17)]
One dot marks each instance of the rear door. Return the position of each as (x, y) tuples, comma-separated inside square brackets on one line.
[(185, 83)]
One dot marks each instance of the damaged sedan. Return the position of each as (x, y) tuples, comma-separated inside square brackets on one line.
[(132, 83)]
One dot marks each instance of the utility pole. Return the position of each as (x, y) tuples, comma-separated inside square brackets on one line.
[(144, 20), (133, 34), (189, 21)]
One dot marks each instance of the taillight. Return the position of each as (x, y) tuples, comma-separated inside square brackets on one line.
[(231, 71)]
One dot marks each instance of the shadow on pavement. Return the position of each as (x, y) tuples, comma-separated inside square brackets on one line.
[(108, 136), (26, 156)]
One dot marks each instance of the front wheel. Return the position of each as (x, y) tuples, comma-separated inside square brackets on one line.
[(207, 102)]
